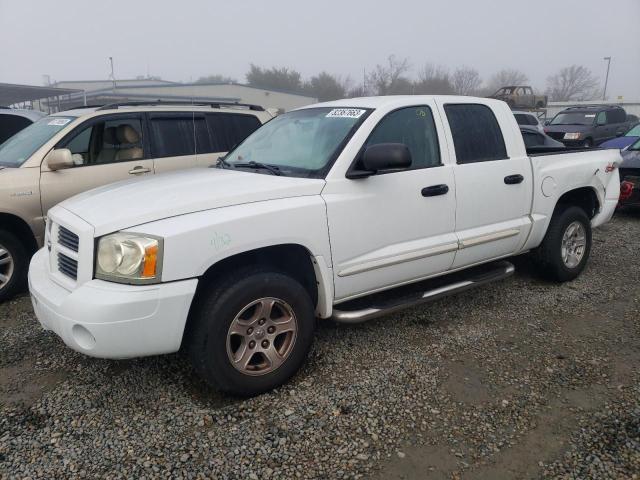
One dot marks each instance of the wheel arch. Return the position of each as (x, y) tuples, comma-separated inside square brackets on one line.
[(290, 258), (583, 197), (17, 226)]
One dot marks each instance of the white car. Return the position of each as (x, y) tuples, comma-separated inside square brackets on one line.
[(530, 119), (319, 207)]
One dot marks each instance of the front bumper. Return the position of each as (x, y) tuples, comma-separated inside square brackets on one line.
[(110, 320)]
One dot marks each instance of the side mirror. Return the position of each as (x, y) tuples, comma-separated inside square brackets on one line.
[(381, 157), (59, 159)]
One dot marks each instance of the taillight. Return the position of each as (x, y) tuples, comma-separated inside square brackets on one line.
[(626, 190)]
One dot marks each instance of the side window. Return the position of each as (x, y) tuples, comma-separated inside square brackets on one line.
[(533, 120), (229, 129), (173, 136), (602, 118), (413, 126), (476, 134), (110, 141), (203, 143), (618, 115), (521, 118)]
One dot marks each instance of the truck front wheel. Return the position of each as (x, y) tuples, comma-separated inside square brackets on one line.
[(565, 249), (251, 332)]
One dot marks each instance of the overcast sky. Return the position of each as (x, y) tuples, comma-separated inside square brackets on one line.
[(183, 40)]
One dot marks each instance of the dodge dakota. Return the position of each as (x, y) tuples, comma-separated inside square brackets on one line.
[(346, 210)]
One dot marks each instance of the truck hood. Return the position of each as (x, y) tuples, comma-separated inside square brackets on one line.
[(138, 201)]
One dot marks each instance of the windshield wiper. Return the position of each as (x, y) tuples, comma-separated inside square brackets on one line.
[(258, 165)]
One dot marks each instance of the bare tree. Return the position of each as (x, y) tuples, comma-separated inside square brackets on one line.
[(507, 77), (572, 83), (390, 78), (466, 81), (434, 80)]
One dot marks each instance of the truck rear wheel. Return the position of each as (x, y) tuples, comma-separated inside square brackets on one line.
[(14, 263), (251, 332), (565, 249)]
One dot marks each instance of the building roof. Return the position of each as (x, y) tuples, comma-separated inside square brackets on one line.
[(11, 93)]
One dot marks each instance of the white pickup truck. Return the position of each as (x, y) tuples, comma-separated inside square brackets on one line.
[(312, 216)]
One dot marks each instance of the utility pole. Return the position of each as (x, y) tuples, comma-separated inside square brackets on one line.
[(606, 80), (113, 77)]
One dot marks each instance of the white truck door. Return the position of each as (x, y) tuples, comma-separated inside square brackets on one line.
[(394, 227), (493, 183)]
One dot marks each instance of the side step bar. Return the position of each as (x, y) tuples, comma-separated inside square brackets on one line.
[(479, 276)]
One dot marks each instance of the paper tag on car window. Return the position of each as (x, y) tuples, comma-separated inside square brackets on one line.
[(345, 113), (59, 121)]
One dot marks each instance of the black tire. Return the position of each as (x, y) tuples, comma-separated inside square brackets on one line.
[(548, 256), (20, 258), (218, 305), (588, 143)]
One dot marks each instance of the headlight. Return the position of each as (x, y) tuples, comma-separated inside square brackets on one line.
[(572, 136), (129, 258)]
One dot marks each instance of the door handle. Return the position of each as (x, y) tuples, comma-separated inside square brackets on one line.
[(139, 170), (513, 179), (435, 190)]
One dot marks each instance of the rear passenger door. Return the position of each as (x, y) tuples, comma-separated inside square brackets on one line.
[(173, 140), (493, 185), (105, 149), (220, 132)]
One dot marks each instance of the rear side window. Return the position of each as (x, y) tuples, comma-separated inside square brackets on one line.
[(229, 129), (617, 115), (476, 134), (413, 127), (12, 124), (173, 136)]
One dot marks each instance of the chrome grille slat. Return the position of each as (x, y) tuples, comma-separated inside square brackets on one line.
[(68, 238)]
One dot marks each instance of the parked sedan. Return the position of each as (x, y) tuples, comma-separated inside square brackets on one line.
[(528, 118), (630, 176), (624, 141)]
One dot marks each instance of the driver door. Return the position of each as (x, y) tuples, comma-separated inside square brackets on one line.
[(105, 150)]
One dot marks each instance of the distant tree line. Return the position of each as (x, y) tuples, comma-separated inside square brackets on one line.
[(394, 77)]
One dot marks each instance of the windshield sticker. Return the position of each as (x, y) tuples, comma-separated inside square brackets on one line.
[(590, 116), (345, 113), (59, 121)]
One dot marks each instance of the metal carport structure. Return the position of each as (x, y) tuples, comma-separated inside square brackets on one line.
[(16, 94)]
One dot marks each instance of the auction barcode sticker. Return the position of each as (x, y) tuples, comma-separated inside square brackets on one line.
[(345, 113), (59, 121)]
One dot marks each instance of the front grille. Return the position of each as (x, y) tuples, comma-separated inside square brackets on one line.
[(67, 238), (68, 266)]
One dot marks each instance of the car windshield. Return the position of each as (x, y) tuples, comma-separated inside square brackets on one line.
[(574, 118), (634, 132), (300, 143), (17, 149), (635, 146)]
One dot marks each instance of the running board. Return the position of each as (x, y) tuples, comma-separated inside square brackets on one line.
[(382, 304)]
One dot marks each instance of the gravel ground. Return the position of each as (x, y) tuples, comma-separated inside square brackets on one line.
[(519, 379)]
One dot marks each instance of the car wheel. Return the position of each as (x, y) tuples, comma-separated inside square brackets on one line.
[(251, 332), (588, 143), (539, 105), (14, 263), (565, 249)]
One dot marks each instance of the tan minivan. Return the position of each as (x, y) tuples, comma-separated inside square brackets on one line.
[(73, 151)]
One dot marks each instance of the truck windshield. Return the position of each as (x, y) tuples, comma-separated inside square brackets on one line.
[(301, 143), (574, 118), (17, 149)]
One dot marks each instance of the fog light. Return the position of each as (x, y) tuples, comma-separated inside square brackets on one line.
[(83, 337)]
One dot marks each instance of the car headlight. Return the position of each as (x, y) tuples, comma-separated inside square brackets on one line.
[(572, 136), (129, 258)]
